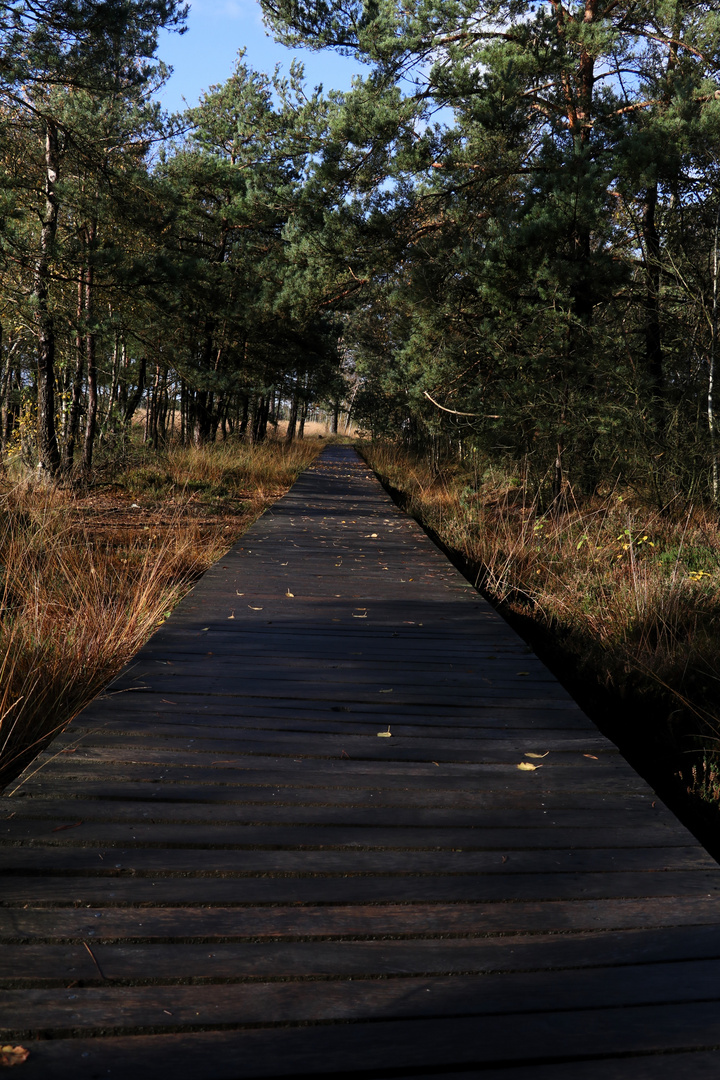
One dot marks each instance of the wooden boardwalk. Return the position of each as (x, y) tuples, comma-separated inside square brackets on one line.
[(222, 870)]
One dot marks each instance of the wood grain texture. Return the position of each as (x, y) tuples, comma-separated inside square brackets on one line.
[(292, 839)]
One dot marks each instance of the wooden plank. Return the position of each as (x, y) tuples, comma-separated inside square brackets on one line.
[(376, 889), (636, 816), (282, 790), (564, 1037), (217, 834), (222, 710), (151, 1008), (150, 963), (213, 858), (398, 747), (291, 922), (606, 775)]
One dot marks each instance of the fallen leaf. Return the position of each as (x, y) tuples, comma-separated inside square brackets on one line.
[(356, 616), (239, 593), (254, 608), (522, 672), (385, 734), (593, 756), (231, 616), (538, 755), (13, 1055), (290, 594), (61, 828), (525, 766), (384, 691)]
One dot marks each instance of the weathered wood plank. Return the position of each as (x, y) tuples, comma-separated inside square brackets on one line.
[(217, 834), (281, 790), (147, 1009), (636, 816), (145, 963), (570, 1037), (376, 889), (352, 921)]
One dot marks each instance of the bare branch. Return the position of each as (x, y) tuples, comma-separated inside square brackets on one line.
[(485, 416)]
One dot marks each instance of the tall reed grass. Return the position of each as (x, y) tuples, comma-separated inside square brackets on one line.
[(78, 600)]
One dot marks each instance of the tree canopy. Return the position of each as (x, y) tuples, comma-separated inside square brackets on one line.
[(504, 238)]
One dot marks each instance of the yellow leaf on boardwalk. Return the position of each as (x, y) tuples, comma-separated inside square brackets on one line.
[(525, 766), (13, 1055), (538, 755)]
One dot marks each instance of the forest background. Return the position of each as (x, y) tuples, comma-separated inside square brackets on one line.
[(498, 252)]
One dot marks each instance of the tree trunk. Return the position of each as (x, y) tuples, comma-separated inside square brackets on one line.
[(47, 443), (303, 418), (715, 314), (292, 421), (202, 426), (73, 425), (90, 352), (184, 425), (263, 418), (106, 422), (6, 369), (12, 410), (653, 337), (250, 431), (259, 414), (135, 398), (244, 416)]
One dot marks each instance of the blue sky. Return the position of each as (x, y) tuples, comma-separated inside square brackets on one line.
[(217, 29)]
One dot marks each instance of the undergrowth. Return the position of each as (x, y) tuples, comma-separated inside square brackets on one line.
[(86, 576), (630, 592)]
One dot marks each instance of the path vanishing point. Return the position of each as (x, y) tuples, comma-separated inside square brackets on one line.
[(301, 838)]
